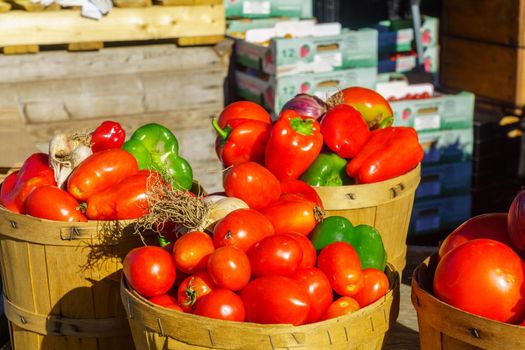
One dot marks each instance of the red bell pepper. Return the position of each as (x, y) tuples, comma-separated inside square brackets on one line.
[(125, 201), (344, 130), (389, 152), (295, 142), (242, 140), (35, 172), (107, 135)]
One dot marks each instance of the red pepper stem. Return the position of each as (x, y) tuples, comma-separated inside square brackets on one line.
[(302, 126), (223, 133)]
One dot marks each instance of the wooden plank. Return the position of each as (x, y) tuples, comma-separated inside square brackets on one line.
[(4, 6), (132, 3), (200, 40), (87, 46), (20, 49), (489, 70), (51, 65), (24, 340), (121, 24), (190, 2), (28, 5), (496, 21)]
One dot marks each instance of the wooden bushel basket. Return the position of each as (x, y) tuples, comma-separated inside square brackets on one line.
[(444, 327), (386, 205), (61, 282), (157, 328)]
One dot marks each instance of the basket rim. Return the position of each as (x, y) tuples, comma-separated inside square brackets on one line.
[(127, 291)]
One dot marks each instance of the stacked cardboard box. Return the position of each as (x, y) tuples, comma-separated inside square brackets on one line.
[(444, 125)]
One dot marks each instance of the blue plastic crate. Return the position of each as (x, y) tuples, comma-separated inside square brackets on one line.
[(442, 214), (447, 146), (445, 179)]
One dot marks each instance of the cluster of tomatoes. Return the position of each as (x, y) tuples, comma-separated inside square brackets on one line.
[(481, 268), (414, 96), (257, 264)]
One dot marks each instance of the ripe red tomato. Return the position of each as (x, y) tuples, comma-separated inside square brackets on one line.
[(318, 288), (293, 213), (341, 264), (229, 268), (192, 250), (276, 299), (167, 301), (490, 226), (252, 183), (243, 110), (52, 203), (483, 277), (242, 228), (309, 252), (375, 108), (107, 135), (277, 255), (8, 184), (149, 270), (297, 186), (193, 288), (375, 285), (100, 171), (222, 304), (340, 307)]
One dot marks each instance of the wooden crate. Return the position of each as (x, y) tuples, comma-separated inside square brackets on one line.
[(496, 21), (492, 71), (54, 91), (187, 22)]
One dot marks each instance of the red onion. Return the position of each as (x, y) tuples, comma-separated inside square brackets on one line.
[(516, 223), (307, 106)]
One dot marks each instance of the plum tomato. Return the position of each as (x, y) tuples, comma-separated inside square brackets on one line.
[(222, 304), (277, 255), (192, 250), (229, 268), (341, 264)]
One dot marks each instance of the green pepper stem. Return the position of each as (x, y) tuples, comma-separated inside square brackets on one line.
[(303, 127), (223, 133)]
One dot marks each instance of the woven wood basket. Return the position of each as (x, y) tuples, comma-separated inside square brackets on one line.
[(444, 327), (61, 282), (386, 205), (158, 328)]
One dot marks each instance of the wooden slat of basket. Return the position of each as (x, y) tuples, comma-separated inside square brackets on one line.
[(4, 6), (87, 46), (132, 3), (200, 40), (28, 5), (121, 24), (20, 49)]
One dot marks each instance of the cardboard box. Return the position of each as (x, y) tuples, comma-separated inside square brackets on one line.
[(268, 8), (287, 56), (445, 180), (273, 92), (445, 146)]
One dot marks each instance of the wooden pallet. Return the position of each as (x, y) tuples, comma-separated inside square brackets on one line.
[(191, 24)]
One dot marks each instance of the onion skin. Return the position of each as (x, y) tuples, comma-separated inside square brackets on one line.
[(220, 207), (306, 106), (516, 223)]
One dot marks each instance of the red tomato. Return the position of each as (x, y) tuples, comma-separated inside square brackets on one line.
[(297, 186), (8, 184), (149, 270), (293, 213), (100, 171), (483, 277), (491, 226), (107, 135), (243, 110), (276, 299), (309, 252), (319, 290), (192, 250), (242, 228), (375, 285), (167, 301), (229, 268), (252, 183), (340, 307), (276, 255), (193, 288), (222, 304), (375, 108), (52, 203), (341, 264)]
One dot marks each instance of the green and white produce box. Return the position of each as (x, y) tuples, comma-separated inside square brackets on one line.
[(284, 56), (268, 8), (275, 91)]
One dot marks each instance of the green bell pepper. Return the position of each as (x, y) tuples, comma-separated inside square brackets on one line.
[(328, 169), (156, 148), (365, 239)]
